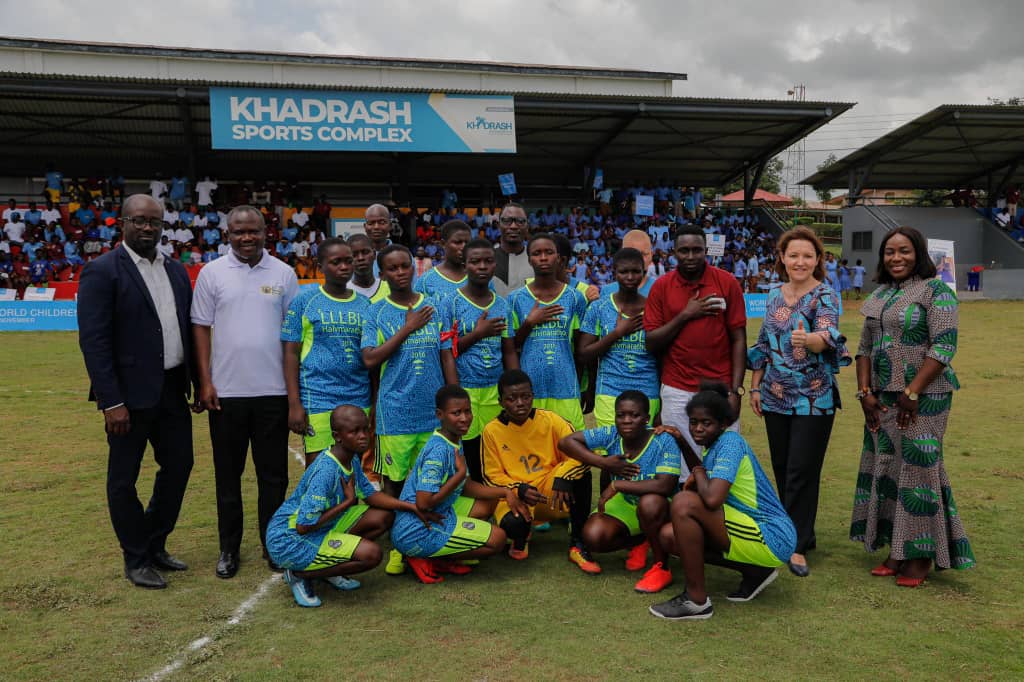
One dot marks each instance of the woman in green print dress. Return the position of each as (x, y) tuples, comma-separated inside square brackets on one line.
[(903, 497)]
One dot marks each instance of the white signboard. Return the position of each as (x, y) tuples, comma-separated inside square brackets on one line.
[(716, 244), (8, 294), (39, 294)]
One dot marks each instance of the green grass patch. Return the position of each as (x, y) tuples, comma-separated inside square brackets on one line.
[(66, 612)]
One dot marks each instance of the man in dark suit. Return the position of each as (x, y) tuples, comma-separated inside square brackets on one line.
[(133, 321)]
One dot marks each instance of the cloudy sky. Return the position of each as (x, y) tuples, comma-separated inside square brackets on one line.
[(896, 60)]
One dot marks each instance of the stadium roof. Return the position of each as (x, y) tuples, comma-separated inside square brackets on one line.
[(90, 119), (950, 147)]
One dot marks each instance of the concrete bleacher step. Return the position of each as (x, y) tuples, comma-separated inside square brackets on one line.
[(971, 296)]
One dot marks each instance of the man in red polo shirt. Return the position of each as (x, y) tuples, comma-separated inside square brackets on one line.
[(696, 323)]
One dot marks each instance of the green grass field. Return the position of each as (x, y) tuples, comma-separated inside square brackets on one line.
[(66, 612)]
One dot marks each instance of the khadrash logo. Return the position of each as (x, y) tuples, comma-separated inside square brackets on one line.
[(481, 123)]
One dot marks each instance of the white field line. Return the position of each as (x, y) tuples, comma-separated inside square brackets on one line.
[(240, 613)]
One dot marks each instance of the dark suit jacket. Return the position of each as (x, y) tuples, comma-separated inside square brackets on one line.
[(119, 331)]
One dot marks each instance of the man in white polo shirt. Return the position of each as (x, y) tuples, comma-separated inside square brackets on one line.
[(244, 296)]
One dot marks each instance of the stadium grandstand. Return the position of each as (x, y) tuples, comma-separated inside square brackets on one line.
[(84, 124), (966, 166)]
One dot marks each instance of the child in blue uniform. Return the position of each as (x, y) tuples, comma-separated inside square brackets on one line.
[(546, 314), (438, 483), (644, 466), (325, 529), (613, 334), (474, 323)]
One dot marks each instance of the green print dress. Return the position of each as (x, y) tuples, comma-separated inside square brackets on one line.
[(903, 497)]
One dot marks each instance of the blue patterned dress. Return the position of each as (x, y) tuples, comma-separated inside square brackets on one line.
[(797, 381)]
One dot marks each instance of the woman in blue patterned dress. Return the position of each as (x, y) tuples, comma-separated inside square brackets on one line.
[(903, 497), (797, 355)]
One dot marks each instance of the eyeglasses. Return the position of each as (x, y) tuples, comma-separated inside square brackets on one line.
[(140, 221), (379, 221), (517, 221)]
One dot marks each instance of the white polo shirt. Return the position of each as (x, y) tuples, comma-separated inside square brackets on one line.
[(245, 306)]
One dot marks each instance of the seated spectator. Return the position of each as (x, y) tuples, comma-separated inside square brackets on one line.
[(12, 207), (51, 214), (199, 223), (56, 231), (40, 272), (85, 215), (33, 217), (210, 253), (212, 235), (108, 230), (170, 215), (300, 218), (186, 216), (183, 235), (290, 232), (300, 247), (422, 262), (284, 249), (31, 248), (165, 248), (15, 228)]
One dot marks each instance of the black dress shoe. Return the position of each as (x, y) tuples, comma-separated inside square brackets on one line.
[(146, 576), (800, 571), (227, 565), (167, 562)]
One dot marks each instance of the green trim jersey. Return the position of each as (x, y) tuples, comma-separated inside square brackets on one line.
[(660, 456), (481, 364), (434, 284), (547, 355), (627, 364), (730, 458), (331, 369), (411, 376), (434, 466), (322, 486)]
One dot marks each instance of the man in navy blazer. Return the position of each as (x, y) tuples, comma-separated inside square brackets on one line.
[(134, 332)]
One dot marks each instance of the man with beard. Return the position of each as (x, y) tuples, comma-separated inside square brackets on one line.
[(696, 321)]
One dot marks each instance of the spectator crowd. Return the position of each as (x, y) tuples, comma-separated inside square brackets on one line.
[(77, 221)]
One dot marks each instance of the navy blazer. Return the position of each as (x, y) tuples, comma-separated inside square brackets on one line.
[(119, 331)]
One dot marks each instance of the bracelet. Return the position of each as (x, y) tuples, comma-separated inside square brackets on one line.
[(755, 389), (612, 486)]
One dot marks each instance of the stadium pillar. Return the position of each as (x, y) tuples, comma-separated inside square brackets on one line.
[(185, 111)]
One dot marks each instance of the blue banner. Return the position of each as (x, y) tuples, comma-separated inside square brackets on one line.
[(318, 120), (508, 183), (756, 304), (598, 179), (38, 316)]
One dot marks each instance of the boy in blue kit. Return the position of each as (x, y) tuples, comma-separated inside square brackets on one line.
[(402, 337), (612, 333), (438, 483), (644, 466), (325, 529), (323, 364), (441, 281), (474, 321), (545, 316)]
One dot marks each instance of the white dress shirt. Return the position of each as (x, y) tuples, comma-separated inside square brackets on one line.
[(159, 285)]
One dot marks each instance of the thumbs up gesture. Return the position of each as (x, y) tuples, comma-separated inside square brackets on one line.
[(799, 338)]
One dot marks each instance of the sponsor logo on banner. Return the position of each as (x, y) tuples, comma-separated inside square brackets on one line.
[(314, 120), (756, 304)]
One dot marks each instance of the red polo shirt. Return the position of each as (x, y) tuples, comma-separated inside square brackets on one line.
[(701, 350)]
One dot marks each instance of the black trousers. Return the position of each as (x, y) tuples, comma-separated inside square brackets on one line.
[(474, 458), (798, 444), (168, 427), (261, 422)]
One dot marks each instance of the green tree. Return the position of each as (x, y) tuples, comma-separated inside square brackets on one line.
[(824, 194)]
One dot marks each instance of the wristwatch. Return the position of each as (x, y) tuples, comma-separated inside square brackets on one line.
[(739, 390), (862, 393), (910, 394)]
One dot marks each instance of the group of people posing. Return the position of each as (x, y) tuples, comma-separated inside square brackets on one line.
[(448, 409)]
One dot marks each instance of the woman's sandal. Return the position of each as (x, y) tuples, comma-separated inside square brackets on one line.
[(883, 571), (904, 581)]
